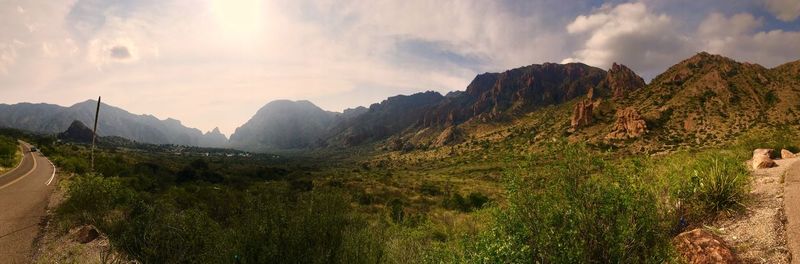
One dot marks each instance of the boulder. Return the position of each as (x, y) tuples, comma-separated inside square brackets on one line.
[(582, 114), (629, 124), (762, 160), (700, 246), (86, 234), (786, 154)]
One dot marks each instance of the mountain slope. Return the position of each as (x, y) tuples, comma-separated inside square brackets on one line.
[(284, 124), (384, 119), (51, 119), (492, 96)]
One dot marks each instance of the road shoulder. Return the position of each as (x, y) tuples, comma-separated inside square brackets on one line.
[(791, 205)]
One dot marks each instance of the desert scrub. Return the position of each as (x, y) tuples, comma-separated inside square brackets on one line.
[(90, 197), (571, 206), (714, 184), (8, 151)]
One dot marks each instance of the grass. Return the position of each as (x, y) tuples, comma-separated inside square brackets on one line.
[(501, 202)]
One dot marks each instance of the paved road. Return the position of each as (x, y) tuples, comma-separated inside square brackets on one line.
[(24, 193)]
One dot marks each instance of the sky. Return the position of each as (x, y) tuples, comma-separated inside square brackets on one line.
[(214, 63)]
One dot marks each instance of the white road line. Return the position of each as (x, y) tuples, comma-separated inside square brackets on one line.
[(21, 149), (54, 172), (23, 176)]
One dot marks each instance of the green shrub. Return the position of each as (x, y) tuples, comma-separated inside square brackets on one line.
[(456, 201), (8, 151), (90, 197), (160, 233), (717, 184), (430, 189), (396, 211), (574, 209), (477, 200)]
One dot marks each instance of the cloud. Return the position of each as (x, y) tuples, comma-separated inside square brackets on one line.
[(737, 36), (629, 34), (8, 55), (120, 52), (786, 10), (162, 57)]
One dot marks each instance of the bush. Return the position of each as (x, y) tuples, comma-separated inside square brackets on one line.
[(575, 209), (717, 184), (160, 233), (90, 197), (477, 200), (8, 151), (456, 201), (430, 189)]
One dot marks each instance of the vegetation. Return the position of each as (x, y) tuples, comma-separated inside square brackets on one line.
[(564, 203), (8, 152)]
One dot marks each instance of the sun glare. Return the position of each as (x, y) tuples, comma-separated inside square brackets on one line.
[(240, 17)]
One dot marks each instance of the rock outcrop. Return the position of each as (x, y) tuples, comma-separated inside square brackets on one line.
[(582, 115), (762, 160), (86, 234), (700, 246), (629, 124), (618, 82), (622, 80), (493, 96), (77, 132), (786, 154)]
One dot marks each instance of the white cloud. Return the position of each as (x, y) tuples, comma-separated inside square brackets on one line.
[(185, 54), (8, 55), (786, 10), (629, 34), (737, 36)]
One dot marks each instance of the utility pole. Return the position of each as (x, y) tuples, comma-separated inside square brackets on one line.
[(94, 132)]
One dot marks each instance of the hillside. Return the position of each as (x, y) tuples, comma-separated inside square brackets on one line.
[(705, 100)]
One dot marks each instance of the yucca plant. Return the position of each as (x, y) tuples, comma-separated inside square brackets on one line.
[(718, 185)]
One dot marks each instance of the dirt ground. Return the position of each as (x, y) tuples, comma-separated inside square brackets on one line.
[(56, 245), (759, 234)]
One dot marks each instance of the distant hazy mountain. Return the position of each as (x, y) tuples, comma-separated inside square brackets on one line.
[(284, 124), (213, 139), (52, 119)]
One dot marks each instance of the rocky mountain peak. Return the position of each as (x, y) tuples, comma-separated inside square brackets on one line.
[(622, 80)]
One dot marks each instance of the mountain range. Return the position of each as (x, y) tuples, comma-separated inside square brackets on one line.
[(52, 119), (705, 98)]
